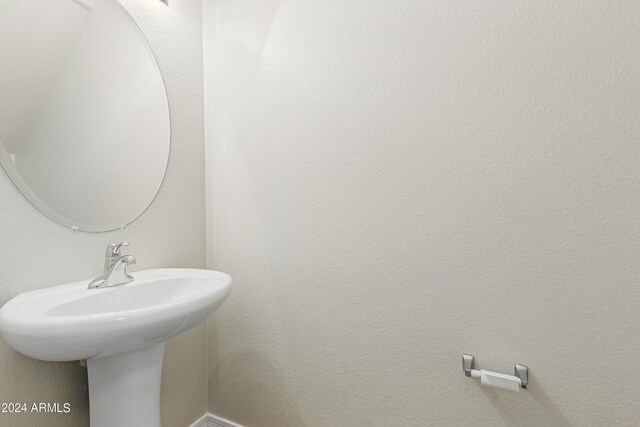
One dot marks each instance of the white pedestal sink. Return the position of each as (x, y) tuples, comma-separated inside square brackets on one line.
[(120, 330)]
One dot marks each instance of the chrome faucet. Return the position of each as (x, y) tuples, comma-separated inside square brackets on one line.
[(115, 267), (112, 253)]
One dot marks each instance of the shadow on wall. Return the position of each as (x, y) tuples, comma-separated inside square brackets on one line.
[(536, 409), (254, 403)]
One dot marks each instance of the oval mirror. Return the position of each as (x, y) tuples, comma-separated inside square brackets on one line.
[(84, 118)]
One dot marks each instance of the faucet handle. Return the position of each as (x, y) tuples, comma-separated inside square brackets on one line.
[(113, 250), (112, 253)]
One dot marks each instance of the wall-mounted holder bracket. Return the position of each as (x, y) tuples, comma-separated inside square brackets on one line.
[(520, 371), (468, 363)]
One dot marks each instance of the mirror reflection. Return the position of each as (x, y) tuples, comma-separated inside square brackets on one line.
[(84, 119)]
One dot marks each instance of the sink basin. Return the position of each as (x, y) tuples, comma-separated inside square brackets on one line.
[(71, 322), (120, 330)]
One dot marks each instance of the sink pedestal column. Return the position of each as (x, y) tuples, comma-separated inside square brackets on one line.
[(124, 389)]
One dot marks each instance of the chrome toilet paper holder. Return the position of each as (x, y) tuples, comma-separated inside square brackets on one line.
[(520, 371)]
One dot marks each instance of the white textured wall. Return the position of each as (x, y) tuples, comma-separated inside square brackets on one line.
[(36, 252), (394, 183)]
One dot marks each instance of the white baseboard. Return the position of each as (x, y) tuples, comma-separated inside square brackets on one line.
[(210, 420)]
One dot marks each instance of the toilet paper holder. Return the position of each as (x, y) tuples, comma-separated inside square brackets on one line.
[(520, 371)]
